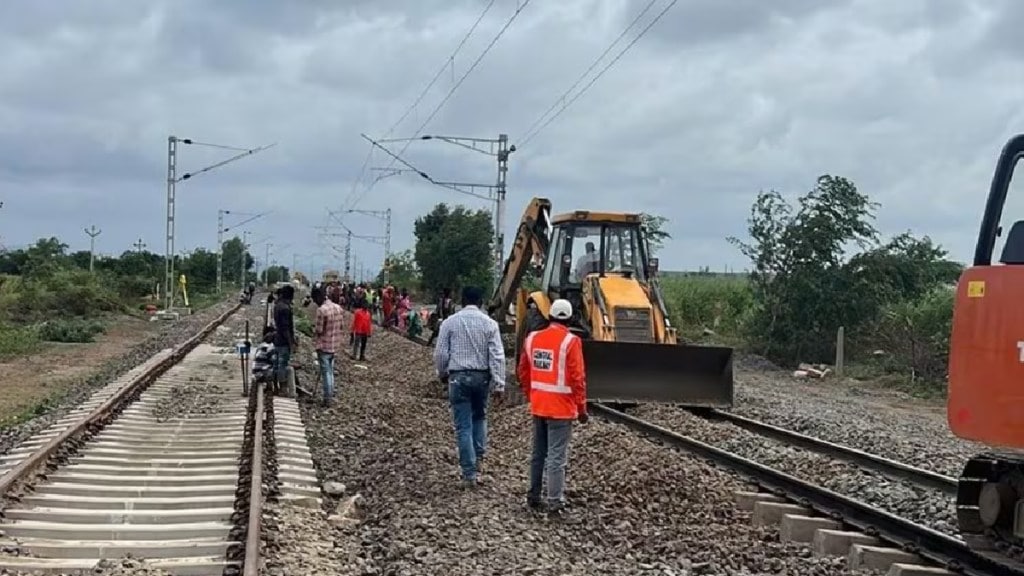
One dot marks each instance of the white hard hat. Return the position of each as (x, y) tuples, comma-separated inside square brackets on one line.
[(561, 309)]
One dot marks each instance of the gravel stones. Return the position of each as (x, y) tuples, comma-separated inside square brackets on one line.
[(884, 422), (197, 397), (921, 505), (126, 567), (635, 507)]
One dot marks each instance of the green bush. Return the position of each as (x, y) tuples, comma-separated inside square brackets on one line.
[(914, 336), (132, 286), (721, 304), (304, 325), (63, 293), (17, 340), (74, 330)]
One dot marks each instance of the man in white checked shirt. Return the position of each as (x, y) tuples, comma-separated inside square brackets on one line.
[(470, 358)]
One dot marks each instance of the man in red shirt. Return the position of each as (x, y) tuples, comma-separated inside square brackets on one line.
[(327, 335), (361, 328), (553, 379)]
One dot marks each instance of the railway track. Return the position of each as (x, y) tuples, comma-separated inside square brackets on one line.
[(886, 466), (914, 543), (158, 465)]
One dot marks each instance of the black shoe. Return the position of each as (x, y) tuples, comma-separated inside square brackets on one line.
[(534, 503), (556, 510)]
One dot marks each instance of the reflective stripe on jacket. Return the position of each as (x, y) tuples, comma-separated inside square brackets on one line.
[(552, 374)]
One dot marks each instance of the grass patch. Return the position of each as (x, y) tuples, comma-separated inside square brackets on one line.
[(720, 304), (71, 330), (17, 340)]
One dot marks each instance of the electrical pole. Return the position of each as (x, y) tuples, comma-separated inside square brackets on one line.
[(496, 147), (139, 246), (348, 255), (93, 233), (384, 215), (266, 266), (220, 250), (172, 180), (243, 258), (221, 229), (499, 225)]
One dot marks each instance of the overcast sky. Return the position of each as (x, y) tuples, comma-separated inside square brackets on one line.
[(910, 99)]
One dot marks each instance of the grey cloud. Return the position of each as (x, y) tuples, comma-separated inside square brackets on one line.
[(723, 98)]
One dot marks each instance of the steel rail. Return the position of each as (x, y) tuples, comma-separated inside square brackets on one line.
[(861, 458), (939, 548), (251, 566), (105, 410)]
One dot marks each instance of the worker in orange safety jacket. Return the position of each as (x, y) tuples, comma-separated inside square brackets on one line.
[(553, 378)]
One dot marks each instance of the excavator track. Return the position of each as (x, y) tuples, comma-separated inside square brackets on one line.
[(990, 501)]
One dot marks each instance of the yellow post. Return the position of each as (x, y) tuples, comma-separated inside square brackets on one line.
[(184, 290)]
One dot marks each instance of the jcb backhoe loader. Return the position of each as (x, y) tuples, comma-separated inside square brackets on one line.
[(600, 262)]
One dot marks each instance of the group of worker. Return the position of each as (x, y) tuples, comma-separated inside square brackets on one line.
[(470, 360)]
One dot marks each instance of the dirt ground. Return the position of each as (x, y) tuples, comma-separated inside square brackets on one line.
[(26, 381)]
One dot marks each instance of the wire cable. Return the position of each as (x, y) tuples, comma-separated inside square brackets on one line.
[(444, 66), (526, 135), (440, 70), (601, 73), (440, 105)]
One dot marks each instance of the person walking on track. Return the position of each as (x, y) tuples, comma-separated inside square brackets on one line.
[(284, 334), (445, 308), (552, 375), (327, 332), (470, 359), (362, 326)]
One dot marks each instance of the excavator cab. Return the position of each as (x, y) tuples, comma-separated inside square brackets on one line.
[(599, 262)]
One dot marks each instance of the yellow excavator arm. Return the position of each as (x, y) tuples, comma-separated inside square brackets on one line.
[(529, 247)]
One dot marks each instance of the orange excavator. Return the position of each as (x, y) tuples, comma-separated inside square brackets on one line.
[(986, 373), (601, 263)]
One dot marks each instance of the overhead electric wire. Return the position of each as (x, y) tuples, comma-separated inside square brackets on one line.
[(421, 173), (526, 135), (455, 87), (601, 73), (441, 69), (416, 102)]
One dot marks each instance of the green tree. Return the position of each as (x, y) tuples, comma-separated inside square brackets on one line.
[(806, 285), (200, 269), (45, 257), (654, 227), (453, 249), (803, 296), (233, 250), (275, 273), (404, 273)]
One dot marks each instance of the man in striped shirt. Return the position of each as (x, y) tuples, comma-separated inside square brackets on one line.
[(327, 333), (470, 358)]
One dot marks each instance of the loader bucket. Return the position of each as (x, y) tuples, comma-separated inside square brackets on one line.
[(628, 372)]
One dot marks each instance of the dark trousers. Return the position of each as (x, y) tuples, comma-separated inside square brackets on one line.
[(359, 346)]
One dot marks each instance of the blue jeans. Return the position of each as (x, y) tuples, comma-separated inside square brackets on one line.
[(326, 361), (468, 393), (282, 358)]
